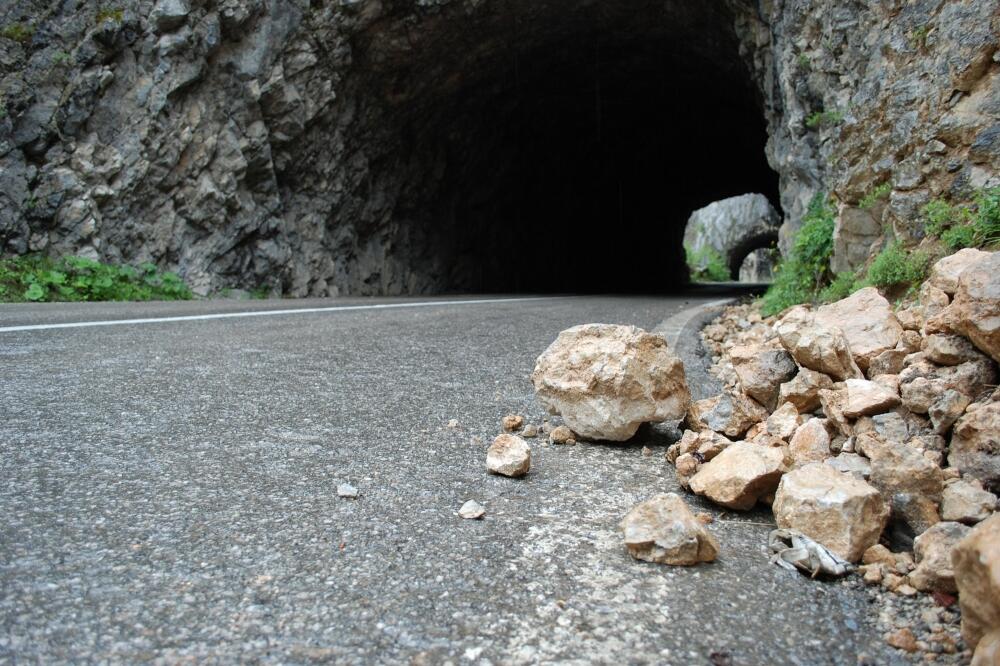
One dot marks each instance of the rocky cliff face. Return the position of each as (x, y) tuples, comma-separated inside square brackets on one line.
[(366, 146)]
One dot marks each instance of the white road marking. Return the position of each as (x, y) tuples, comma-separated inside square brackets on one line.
[(269, 313)]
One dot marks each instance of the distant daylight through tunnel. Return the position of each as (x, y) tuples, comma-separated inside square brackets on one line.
[(554, 147)]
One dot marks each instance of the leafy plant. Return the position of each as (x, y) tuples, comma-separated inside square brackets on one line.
[(35, 278), (804, 61), (918, 37), (824, 119), (115, 14), (896, 266), (806, 271), (707, 265), (60, 58), (18, 32), (842, 286), (876, 195), (961, 226)]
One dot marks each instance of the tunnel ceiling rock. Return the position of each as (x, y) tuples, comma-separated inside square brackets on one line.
[(384, 147)]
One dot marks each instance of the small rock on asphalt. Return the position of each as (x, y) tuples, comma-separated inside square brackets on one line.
[(347, 490), (472, 510)]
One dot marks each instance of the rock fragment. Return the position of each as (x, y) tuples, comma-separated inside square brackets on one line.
[(512, 422), (508, 455), (865, 398), (561, 435), (472, 510), (347, 490), (803, 390), (975, 444), (867, 321), (840, 511), (784, 421), (606, 380), (945, 349), (663, 530), (761, 371), (932, 550), (945, 273), (810, 443), (911, 482), (730, 414), (967, 502), (975, 310), (529, 431), (740, 475), (815, 346), (976, 563)]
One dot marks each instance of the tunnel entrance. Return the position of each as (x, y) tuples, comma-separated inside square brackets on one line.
[(555, 147)]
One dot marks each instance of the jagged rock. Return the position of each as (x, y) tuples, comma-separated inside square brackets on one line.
[(803, 390), (731, 414), (932, 550), (761, 371), (868, 322), (947, 409), (933, 301), (810, 443), (910, 342), (740, 475), (889, 362), (472, 510), (663, 530), (975, 310), (508, 455), (945, 273), (561, 435), (922, 382), (851, 463), (784, 421), (975, 443), (911, 482), (967, 502), (945, 349), (512, 422), (911, 319), (169, 14), (833, 402), (976, 563), (706, 443), (606, 380), (840, 511), (865, 398), (819, 347), (530, 431)]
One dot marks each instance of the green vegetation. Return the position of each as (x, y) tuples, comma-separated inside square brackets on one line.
[(36, 278), (824, 119), (61, 58), (806, 271), (895, 266), (804, 61), (876, 195), (959, 226), (842, 286), (707, 265), (116, 14), (918, 37), (18, 32)]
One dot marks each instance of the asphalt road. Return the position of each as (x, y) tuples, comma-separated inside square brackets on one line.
[(169, 494)]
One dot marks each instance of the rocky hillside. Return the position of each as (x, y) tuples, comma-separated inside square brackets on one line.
[(257, 142)]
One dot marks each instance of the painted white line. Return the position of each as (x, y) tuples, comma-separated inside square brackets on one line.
[(270, 313)]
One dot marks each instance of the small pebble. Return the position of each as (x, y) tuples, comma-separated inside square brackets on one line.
[(512, 422), (472, 510), (347, 490)]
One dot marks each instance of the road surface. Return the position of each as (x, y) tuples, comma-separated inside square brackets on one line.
[(169, 493)]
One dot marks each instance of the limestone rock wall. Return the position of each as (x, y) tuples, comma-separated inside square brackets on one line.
[(235, 141)]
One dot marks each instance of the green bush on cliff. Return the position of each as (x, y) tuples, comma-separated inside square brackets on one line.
[(35, 278), (801, 276), (959, 226), (895, 266)]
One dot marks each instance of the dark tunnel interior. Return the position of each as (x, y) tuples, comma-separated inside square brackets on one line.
[(567, 158)]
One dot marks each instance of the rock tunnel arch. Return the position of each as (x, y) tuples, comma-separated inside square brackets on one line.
[(518, 146)]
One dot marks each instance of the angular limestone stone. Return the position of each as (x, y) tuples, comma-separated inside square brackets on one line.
[(867, 320), (946, 272), (508, 455), (947, 408), (784, 421), (975, 310), (932, 550), (472, 510), (976, 563), (967, 502), (740, 475), (840, 511), (819, 347), (946, 349), (663, 530), (810, 443), (803, 390), (865, 398), (761, 371), (731, 414), (606, 380), (975, 443), (910, 481)]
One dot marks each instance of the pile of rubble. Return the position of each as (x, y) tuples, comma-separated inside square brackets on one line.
[(873, 432)]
